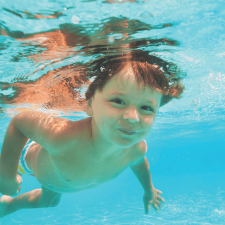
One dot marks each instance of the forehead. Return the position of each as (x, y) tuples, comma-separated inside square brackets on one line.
[(125, 82), (125, 79)]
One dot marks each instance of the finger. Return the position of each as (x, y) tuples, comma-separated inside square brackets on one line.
[(146, 206), (158, 203), (155, 207), (19, 179), (18, 189), (160, 199), (158, 192)]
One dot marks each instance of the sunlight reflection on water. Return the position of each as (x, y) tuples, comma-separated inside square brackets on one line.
[(40, 51)]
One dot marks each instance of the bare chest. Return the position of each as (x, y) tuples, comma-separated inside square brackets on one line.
[(90, 170)]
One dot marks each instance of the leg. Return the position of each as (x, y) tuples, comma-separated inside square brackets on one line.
[(38, 198)]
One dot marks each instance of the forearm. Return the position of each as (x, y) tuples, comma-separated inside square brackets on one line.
[(142, 172), (12, 147)]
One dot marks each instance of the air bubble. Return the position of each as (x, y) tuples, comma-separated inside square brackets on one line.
[(111, 39), (75, 19)]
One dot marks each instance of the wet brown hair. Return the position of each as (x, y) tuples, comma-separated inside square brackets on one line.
[(149, 69)]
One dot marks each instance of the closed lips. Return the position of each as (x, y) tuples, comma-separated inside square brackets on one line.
[(128, 132)]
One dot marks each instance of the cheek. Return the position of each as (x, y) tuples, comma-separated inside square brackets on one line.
[(119, 122), (148, 121), (107, 116)]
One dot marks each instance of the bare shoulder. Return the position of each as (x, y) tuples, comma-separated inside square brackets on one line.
[(46, 124), (49, 131), (67, 128), (138, 151), (140, 147), (70, 133)]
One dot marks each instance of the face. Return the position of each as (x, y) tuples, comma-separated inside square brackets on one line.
[(124, 111)]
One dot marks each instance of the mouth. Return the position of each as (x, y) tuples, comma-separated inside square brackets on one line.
[(128, 132)]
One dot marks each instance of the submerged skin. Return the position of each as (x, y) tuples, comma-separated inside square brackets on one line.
[(71, 156)]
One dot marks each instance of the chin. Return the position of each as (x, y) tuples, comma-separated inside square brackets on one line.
[(125, 143)]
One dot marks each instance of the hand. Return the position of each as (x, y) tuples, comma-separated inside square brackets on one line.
[(10, 186), (152, 199)]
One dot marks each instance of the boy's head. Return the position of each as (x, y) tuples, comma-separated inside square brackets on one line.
[(126, 94), (123, 112), (149, 70)]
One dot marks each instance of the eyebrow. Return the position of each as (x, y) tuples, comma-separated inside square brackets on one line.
[(152, 102), (116, 93)]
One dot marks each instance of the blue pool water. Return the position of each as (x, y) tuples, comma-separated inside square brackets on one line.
[(186, 146)]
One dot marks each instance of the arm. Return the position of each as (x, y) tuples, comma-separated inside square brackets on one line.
[(39, 127), (13, 144), (142, 171)]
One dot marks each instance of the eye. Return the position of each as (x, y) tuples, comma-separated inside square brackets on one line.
[(148, 108), (118, 101)]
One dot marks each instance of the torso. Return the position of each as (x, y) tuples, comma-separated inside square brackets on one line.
[(78, 169)]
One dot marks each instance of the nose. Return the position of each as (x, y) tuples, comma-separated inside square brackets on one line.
[(131, 115)]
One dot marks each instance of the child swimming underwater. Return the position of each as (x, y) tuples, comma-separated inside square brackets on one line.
[(70, 156)]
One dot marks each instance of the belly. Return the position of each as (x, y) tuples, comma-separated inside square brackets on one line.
[(44, 169), (69, 175)]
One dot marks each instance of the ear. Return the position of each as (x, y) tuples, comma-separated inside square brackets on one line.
[(89, 109)]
